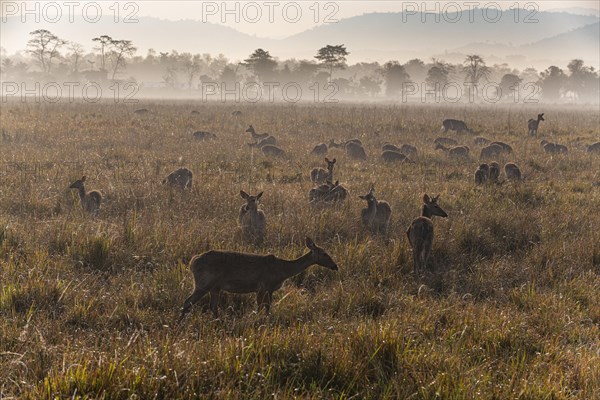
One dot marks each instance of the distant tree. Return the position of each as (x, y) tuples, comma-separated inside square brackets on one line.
[(475, 69), (416, 69), (509, 84), (76, 55), (332, 57), (305, 71), (191, 66), (105, 42), (370, 85), (119, 50), (438, 75), (229, 76), (262, 64), (582, 80), (529, 75), (394, 75), (552, 82), (44, 46)]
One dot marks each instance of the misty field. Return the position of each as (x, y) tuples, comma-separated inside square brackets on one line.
[(88, 306)]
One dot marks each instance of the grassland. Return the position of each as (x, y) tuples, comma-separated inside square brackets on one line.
[(88, 305)]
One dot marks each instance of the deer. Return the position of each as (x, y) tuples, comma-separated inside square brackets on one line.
[(320, 149), (90, 201), (252, 220), (180, 178), (594, 148), (533, 124), (490, 151), (215, 271), (376, 217), (482, 174), (420, 232), (269, 140), (256, 136), (554, 148), (393, 156), (390, 147), (355, 151), (505, 146), (409, 150), (328, 193), (454, 152), (455, 125), (512, 172), (333, 144), (204, 135), (494, 172), (273, 151), (142, 111), (445, 141), (320, 175)]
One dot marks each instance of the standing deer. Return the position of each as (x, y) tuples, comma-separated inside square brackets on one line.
[(409, 150), (233, 272), (482, 174), (376, 217), (256, 136), (328, 193), (533, 124), (90, 201), (320, 175), (490, 151), (455, 125), (252, 220), (180, 178), (512, 171), (420, 232)]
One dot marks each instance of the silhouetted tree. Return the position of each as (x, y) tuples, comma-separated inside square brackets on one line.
[(416, 69), (582, 81), (119, 50), (104, 44), (332, 57), (438, 75), (395, 75), (75, 55), (262, 64), (370, 85), (44, 46), (475, 69), (508, 84), (552, 82)]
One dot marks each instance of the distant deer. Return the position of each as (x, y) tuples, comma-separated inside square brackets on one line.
[(482, 174), (256, 136), (233, 272), (333, 144), (252, 220), (454, 152), (328, 193), (420, 232), (391, 147), (512, 171), (554, 148), (180, 178), (320, 175), (408, 150), (274, 151), (445, 141), (455, 125), (376, 217), (142, 111), (320, 149), (494, 172), (236, 113), (491, 151), (90, 201), (594, 148), (505, 146), (393, 156), (533, 124), (355, 151), (269, 140), (203, 135)]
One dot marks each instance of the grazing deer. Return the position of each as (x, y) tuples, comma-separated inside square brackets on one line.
[(505, 146), (594, 148), (333, 144), (236, 113), (533, 124), (494, 172), (481, 141), (261, 143), (204, 135), (409, 150), (490, 151), (393, 156), (252, 220), (554, 148), (180, 178), (233, 272), (391, 147), (195, 112), (90, 201), (482, 174), (355, 151), (455, 125), (420, 232), (320, 149), (328, 193), (445, 141), (512, 171), (376, 217), (256, 136), (142, 111), (274, 151), (454, 152), (320, 175)]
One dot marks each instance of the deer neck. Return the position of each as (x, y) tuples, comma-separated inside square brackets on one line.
[(330, 174), (426, 212), (81, 191), (372, 208), (294, 267)]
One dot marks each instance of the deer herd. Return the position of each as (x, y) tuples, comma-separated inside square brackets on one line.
[(215, 271)]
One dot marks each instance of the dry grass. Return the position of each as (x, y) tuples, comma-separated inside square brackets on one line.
[(88, 305)]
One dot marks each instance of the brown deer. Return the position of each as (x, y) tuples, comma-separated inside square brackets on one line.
[(180, 178), (533, 124), (420, 232), (256, 136), (594, 148), (233, 272), (376, 217), (455, 125), (454, 152), (355, 151), (391, 147), (328, 193), (320, 175), (90, 201), (269, 140), (274, 151), (482, 174), (320, 149), (393, 156), (505, 146), (512, 171), (252, 220), (409, 150), (494, 172), (445, 141), (490, 151), (204, 135)]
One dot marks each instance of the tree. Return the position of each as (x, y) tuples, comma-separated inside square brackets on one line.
[(552, 82), (191, 67), (76, 55), (438, 75), (509, 84), (262, 64), (475, 70), (395, 76), (44, 46), (416, 69), (105, 42), (582, 80), (370, 85), (119, 50), (332, 57)]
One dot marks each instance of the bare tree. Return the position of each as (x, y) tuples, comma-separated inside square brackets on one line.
[(475, 70), (119, 50), (105, 42), (44, 46), (76, 55)]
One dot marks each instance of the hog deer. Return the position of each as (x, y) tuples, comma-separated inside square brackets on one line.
[(494, 172), (180, 178), (454, 152), (482, 174), (393, 156), (533, 124), (355, 151), (233, 272), (594, 148), (455, 125), (252, 220), (274, 151), (420, 232), (269, 140), (320, 175), (90, 201), (320, 149), (512, 171), (376, 217), (256, 136), (490, 151)]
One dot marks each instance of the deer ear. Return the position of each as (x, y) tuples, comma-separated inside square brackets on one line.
[(326, 160), (363, 197), (426, 199), (244, 195), (435, 199), (83, 178), (310, 244), (258, 196)]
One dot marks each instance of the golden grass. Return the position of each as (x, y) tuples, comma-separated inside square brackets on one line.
[(88, 305)]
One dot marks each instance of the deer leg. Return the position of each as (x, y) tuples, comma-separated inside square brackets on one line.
[(214, 302), (263, 299), (190, 301)]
